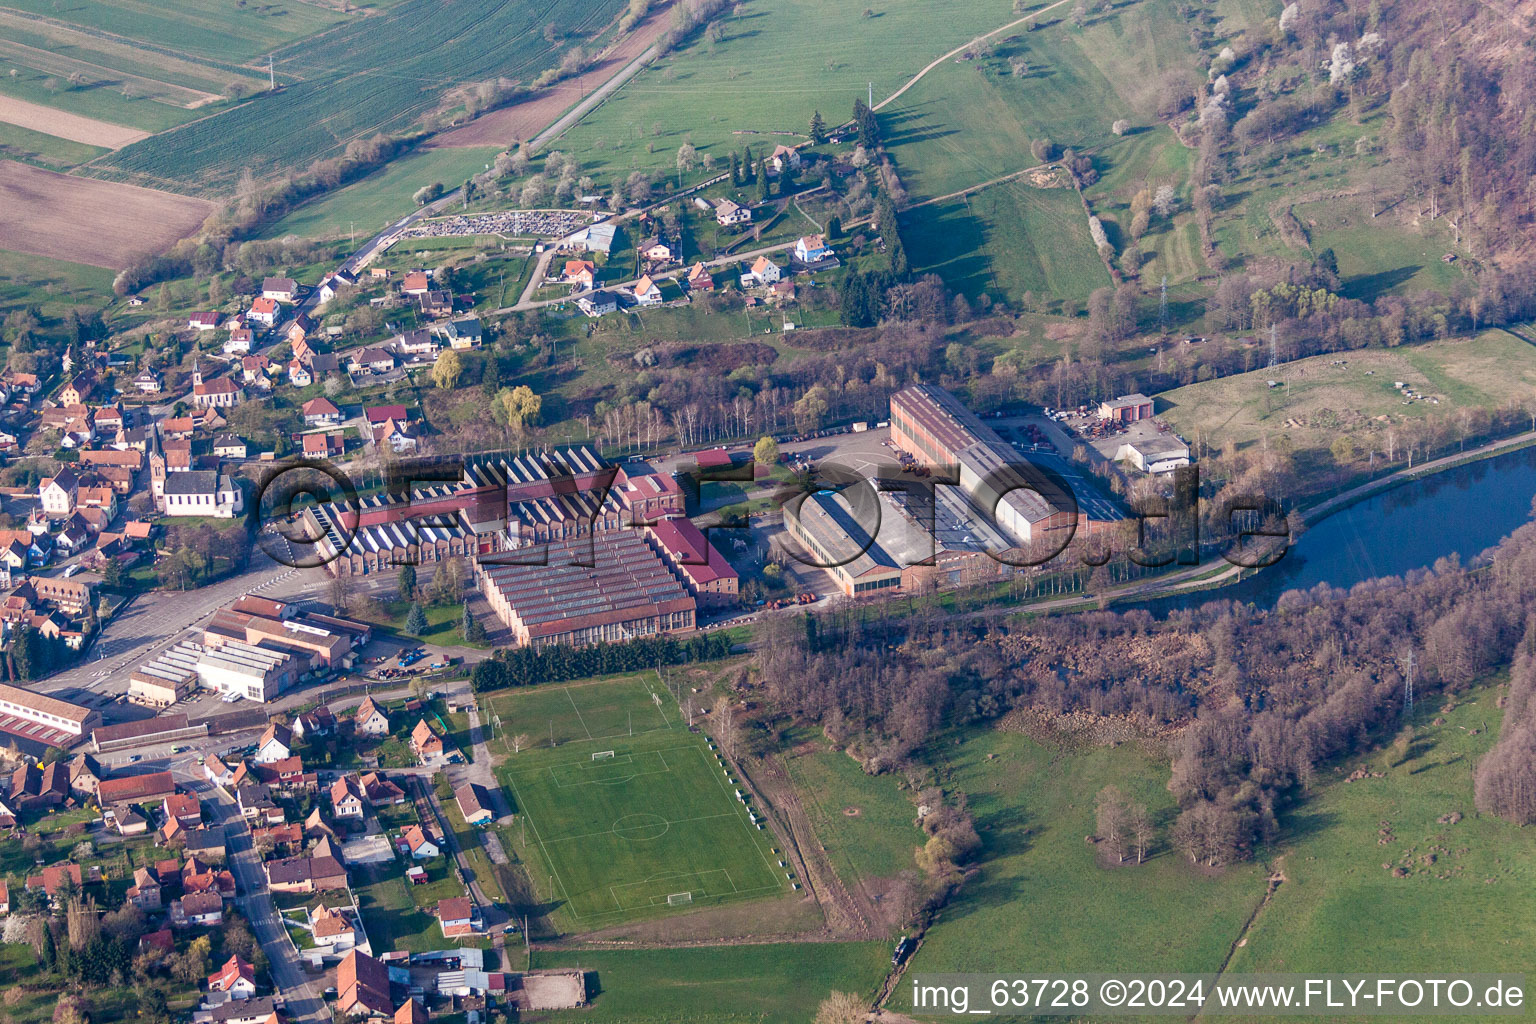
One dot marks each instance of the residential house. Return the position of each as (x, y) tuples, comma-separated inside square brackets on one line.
[(135, 789), (420, 342), (455, 917), (380, 791), (199, 910), (415, 283), (728, 214), (257, 805), (279, 289), (370, 719), (320, 412), (203, 321), (347, 798), (781, 292), (362, 987), (263, 311), (319, 722), (56, 878), (420, 843), (255, 368), (656, 251), (298, 374), (812, 249), (204, 842), (411, 1012), (275, 744), (239, 342), (257, 1010), (764, 271), (598, 304), (325, 445), (236, 978), (183, 808), (148, 382), (426, 744), (216, 771), (580, 274), (332, 928), (436, 303), (474, 803), (782, 157), (373, 360), (700, 279), (84, 775), (229, 446), (107, 419), (145, 892), (58, 493), (646, 293), (399, 435), (305, 874), (464, 334)]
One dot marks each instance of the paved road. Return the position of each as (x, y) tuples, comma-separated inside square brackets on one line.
[(304, 1001), (599, 94)]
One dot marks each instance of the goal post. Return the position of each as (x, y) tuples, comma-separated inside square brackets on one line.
[(602, 755), (678, 898)]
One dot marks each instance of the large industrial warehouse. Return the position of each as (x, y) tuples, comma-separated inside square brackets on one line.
[(1013, 491), (623, 591)]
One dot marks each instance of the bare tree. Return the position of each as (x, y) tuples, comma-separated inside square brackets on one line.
[(1110, 815), (1141, 830)]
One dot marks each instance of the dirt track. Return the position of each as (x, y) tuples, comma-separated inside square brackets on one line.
[(64, 125), (522, 121), (100, 223)]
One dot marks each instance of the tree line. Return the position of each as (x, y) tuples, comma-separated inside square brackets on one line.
[(525, 666)]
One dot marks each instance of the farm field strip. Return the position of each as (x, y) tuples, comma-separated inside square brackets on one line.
[(206, 29), (119, 55), (80, 220), (47, 62), (374, 75), (67, 126)]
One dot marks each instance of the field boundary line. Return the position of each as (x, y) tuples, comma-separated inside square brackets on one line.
[(610, 832), (549, 862), (576, 709), (752, 790)]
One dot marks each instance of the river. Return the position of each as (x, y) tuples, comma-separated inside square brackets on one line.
[(1460, 511)]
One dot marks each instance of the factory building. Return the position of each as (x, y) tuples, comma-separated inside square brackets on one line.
[(826, 525), (1028, 504), (622, 591)]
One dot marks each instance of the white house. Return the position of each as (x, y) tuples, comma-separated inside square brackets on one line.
[(657, 250), (646, 293), (728, 213), (812, 249), (239, 342), (764, 271), (60, 492), (276, 744), (203, 321), (370, 720), (419, 843), (202, 492), (597, 303), (280, 289), (784, 156), (320, 412), (298, 375), (263, 311)]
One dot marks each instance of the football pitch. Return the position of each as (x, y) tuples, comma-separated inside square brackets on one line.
[(627, 813)]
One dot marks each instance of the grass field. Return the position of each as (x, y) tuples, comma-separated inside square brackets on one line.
[(761, 984), (53, 285), (382, 197), (43, 150), (615, 837), (1041, 897), (371, 75), (1467, 901), (1324, 400), (777, 62), (1007, 240), (867, 827)]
